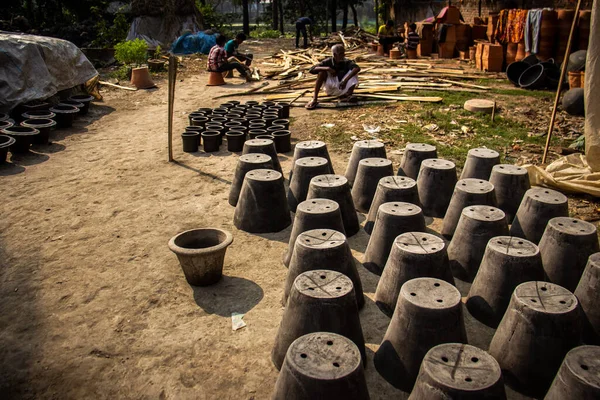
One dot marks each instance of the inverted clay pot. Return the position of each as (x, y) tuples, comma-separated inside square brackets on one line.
[(370, 171), (304, 170), (435, 184), (458, 371), (5, 143), (247, 163), (389, 189), (479, 163), (566, 245), (467, 192), (507, 262), (477, 225), (323, 248), (413, 255), (322, 365), (578, 376), (64, 115), (361, 150), (310, 148), (589, 297), (511, 183), (539, 327), (320, 301), (42, 125), (43, 114), (190, 141), (313, 214), (539, 205), (336, 188), (262, 205), (414, 155), (235, 141), (84, 99), (201, 253), (263, 146), (283, 141), (23, 137), (428, 313), (392, 219), (211, 141)]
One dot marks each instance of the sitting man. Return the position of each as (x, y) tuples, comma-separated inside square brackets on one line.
[(339, 75), (217, 60), (231, 48), (387, 36)]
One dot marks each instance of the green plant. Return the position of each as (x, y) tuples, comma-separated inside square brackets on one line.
[(157, 52), (132, 52), (266, 33)]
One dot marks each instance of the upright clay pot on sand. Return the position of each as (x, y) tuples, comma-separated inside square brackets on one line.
[(201, 253), (5, 143), (23, 137)]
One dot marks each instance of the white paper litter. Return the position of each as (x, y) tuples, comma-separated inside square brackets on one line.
[(236, 321)]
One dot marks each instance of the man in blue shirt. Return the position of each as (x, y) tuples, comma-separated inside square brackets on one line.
[(231, 47), (301, 28)]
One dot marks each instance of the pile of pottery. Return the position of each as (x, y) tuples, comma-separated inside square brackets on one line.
[(34, 126), (235, 123), (534, 281), (531, 73)]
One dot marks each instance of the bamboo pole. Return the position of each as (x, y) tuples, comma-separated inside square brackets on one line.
[(563, 72), (171, 101)]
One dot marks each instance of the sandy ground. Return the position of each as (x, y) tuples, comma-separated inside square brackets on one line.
[(94, 305)]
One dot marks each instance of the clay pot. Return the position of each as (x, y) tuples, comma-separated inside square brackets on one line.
[(253, 133), (190, 141), (42, 125), (211, 140), (587, 294), (269, 137), (283, 141), (284, 122), (479, 163), (435, 184), (83, 99), (285, 109), (414, 155), (201, 253), (577, 377), (5, 143), (200, 121), (310, 148), (4, 117), (304, 170), (510, 183), (391, 189), (23, 137), (467, 192), (140, 78), (246, 163), (6, 124), (336, 188), (363, 149), (204, 110), (263, 146), (38, 114), (235, 141), (64, 115)]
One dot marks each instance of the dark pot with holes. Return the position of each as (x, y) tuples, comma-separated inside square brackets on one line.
[(256, 132), (84, 99), (197, 129), (5, 143), (74, 103), (42, 125), (23, 137), (44, 114), (283, 141), (211, 140), (190, 141), (235, 141), (64, 115), (533, 77)]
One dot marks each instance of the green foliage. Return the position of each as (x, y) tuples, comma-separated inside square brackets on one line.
[(157, 51), (263, 33), (132, 52), (121, 74), (109, 34)]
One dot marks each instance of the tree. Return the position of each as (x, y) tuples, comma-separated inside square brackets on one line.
[(246, 17), (275, 14)]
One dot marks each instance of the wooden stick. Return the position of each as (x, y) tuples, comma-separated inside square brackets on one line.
[(171, 101), (300, 95), (249, 92), (404, 98), (494, 111), (117, 86), (563, 72), (467, 85)]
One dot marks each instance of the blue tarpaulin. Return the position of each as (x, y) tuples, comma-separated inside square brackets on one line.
[(192, 43)]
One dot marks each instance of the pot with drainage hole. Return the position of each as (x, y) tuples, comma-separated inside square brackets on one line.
[(201, 253)]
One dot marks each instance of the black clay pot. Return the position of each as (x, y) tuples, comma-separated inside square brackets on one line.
[(268, 103), (232, 125), (531, 59), (552, 72), (23, 137), (219, 120), (533, 77), (211, 140), (285, 112), (6, 124), (38, 114), (251, 103), (195, 114), (235, 141), (64, 115), (200, 121), (573, 102), (197, 129), (75, 104), (242, 121), (256, 132), (205, 111), (284, 122), (190, 141), (283, 141), (5, 143), (85, 100), (42, 125), (514, 71), (4, 117), (270, 137), (275, 128), (220, 111)]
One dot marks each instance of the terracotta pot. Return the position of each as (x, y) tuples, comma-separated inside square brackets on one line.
[(140, 78), (575, 80)]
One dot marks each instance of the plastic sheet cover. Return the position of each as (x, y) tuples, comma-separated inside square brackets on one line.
[(38, 67)]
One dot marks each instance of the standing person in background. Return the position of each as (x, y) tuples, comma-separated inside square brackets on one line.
[(387, 35), (301, 28), (217, 60), (231, 48)]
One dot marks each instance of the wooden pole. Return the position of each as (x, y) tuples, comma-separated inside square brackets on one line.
[(171, 101), (563, 72)]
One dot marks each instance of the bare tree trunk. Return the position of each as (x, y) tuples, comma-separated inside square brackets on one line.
[(275, 14), (246, 17), (333, 5), (281, 17), (354, 15), (345, 16)]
